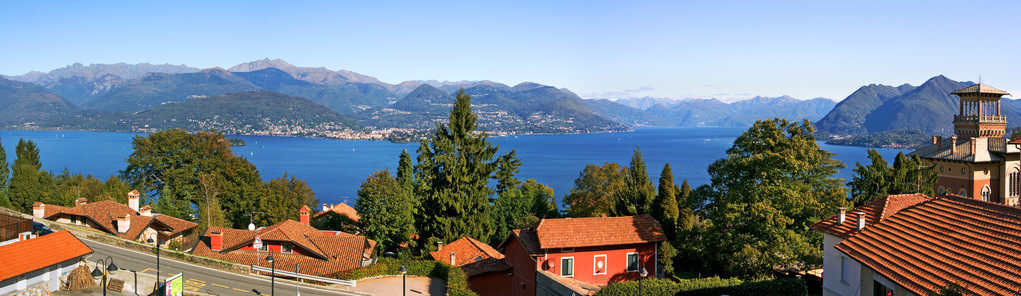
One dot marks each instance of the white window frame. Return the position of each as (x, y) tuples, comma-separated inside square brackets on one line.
[(562, 267), (289, 246), (986, 191), (845, 270), (595, 264), (265, 247), (627, 262)]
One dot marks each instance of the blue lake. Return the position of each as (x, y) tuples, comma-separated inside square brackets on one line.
[(335, 168)]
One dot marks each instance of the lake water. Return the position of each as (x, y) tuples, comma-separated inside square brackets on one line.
[(335, 168)]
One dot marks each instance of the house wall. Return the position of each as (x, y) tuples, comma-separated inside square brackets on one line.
[(46, 278), (867, 286), (524, 268), (615, 263), (833, 283), (274, 247), (492, 284)]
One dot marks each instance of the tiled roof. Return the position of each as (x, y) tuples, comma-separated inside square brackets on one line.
[(948, 239), (527, 238), (875, 212), (33, 254), (980, 88), (577, 286), (598, 231), (50, 210), (473, 256), (105, 213), (342, 209), (334, 252), (963, 151)]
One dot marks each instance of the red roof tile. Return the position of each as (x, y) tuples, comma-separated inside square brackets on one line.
[(105, 213), (342, 209), (473, 256), (875, 212), (598, 231), (949, 239), (33, 254)]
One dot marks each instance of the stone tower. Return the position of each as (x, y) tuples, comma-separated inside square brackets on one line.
[(979, 115)]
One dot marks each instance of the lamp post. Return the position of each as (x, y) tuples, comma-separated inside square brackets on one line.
[(642, 273), (273, 274), (296, 280), (109, 268), (158, 242), (404, 278)]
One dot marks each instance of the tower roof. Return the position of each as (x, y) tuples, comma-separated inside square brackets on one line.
[(980, 88)]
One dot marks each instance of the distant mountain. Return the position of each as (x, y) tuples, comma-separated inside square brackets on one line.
[(79, 83), (346, 99), (714, 113), (848, 117), (25, 104), (250, 112), (645, 103), (154, 89), (625, 114), (314, 75)]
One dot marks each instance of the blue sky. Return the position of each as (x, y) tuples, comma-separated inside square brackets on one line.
[(673, 49)]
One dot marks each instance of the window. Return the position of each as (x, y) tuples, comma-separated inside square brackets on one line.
[(985, 193), (600, 264), (878, 289), (567, 267), (265, 247), (285, 248), (845, 269), (942, 190), (963, 192), (632, 262), (1013, 183)]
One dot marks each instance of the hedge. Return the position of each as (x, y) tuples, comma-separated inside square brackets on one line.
[(457, 281), (713, 286)]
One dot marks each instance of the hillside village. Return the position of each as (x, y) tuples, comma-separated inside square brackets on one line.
[(941, 221)]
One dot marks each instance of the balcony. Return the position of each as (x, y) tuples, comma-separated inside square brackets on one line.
[(988, 119)]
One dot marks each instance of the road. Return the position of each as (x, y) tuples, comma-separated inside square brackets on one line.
[(200, 279)]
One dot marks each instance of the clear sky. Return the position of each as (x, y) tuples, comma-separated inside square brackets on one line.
[(598, 49)]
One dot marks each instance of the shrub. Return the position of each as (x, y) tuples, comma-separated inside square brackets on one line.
[(457, 281), (713, 286)]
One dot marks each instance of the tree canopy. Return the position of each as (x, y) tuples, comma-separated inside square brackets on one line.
[(5, 175), (596, 190), (878, 179)]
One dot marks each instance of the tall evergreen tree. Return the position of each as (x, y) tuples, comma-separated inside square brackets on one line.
[(5, 178), (638, 194), (686, 207), (665, 207), (405, 171), (25, 187), (454, 169)]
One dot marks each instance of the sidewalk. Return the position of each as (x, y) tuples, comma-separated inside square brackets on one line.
[(144, 285)]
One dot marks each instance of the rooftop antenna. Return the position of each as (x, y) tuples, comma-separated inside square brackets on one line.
[(251, 220)]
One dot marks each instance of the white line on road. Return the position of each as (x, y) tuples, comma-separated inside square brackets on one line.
[(226, 272)]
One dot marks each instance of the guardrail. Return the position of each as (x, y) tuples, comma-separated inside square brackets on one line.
[(304, 276)]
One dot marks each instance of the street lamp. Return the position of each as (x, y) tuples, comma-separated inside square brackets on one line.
[(643, 273), (404, 278), (273, 275), (109, 268), (158, 242)]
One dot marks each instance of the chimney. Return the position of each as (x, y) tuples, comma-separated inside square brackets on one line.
[(861, 221), (439, 246), (303, 213), (216, 240), (973, 141), (842, 216), (133, 200), (453, 259), (80, 202), (938, 141), (123, 223), (953, 144), (145, 210), (38, 209), (325, 207)]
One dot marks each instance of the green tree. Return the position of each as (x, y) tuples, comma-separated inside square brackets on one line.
[(385, 210), (544, 203), (686, 207), (878, 179), (638, 193), (406, 171), (521, 207), (774, 183), (454, 168), (25, 187), (5, 175), (595, 190), (210, 210), (282, 198), (665, 206), (869, 182)]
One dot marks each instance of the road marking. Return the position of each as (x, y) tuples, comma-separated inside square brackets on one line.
[(221, 286), (246, 291), (146, 270)]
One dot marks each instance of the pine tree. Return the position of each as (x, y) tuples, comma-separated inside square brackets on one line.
[(665, 207), (638, 194), (25, 187), (685, 207), (405, 171), (454, 170), (5, 175)]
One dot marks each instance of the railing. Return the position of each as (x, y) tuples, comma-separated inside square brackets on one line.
[(982, 118), (304, 276)]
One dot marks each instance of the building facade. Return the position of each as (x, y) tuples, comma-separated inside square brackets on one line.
[(38, 263), (488, 274), (977, 162), (126, 221)]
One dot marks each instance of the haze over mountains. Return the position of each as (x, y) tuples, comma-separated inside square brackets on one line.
[(83, 97)]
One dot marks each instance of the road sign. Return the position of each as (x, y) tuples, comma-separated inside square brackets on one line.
[(175, 285), (258, 243)]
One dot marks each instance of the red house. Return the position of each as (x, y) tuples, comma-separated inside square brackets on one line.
[(582, 251), (488, 273)]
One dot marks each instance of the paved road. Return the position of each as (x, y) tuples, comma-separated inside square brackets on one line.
[(198, 278)]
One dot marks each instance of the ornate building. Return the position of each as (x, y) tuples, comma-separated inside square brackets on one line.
[(977, 162)]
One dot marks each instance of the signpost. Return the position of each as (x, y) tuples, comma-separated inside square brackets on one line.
[(258, 243), (175, 285)]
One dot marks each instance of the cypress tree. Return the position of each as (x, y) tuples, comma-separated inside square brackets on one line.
[(405, 171), (25, 187), (5, 174), (638, 194), (665, 208)]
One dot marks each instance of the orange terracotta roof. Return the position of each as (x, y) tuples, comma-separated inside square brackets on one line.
[(337, 252), (980, 88), (342, 209), (473, 256), (948, 239), (577, 286), (37, 253), (50, 210), (104, 213), (598, 231), (875, 211)]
